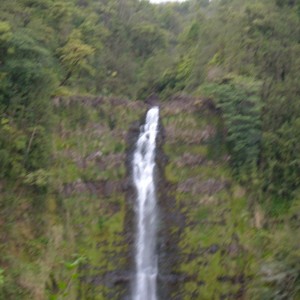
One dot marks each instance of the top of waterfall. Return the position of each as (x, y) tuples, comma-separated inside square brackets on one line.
[(152, 115)]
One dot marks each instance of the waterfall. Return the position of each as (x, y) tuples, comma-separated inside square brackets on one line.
[(146, 211)]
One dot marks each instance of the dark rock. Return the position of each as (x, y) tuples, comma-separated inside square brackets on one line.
[(190, 160), (152, 100), (105, 188), (209, 105), (233, 249), (94, 155), (197, 185), (188, 136), (224, 278), (201, 282), (111, 161), (180, 103), (213, 249)]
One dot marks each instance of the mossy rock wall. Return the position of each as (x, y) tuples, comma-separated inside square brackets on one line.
[(212, 261), (76, 240)]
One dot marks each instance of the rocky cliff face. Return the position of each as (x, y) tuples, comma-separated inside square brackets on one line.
[(84, 248), (211, 258)]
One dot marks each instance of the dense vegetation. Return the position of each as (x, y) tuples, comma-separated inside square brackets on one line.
[(240, 56)]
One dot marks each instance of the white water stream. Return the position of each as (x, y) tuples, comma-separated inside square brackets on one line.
[(146, 211)]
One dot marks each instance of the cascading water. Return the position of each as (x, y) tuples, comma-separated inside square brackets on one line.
[(146, 211)]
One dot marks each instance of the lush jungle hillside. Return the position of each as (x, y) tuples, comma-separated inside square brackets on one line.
[(76, 78)]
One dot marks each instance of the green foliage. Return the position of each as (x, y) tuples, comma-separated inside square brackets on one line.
[(74, 54), (28, 64), (74, 264), (281, 160), (39, 178), (146, 38), (5, 31), (54, 48), (2, 278), (257, 41), (13, 145), (173, 79), (279, 274), (239, 101)]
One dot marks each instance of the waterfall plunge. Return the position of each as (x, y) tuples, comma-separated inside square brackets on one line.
[(146, 212)]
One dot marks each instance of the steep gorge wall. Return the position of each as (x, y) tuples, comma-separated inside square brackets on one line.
[(72, 243), (79, 244), (212, 261), (108, 243)]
